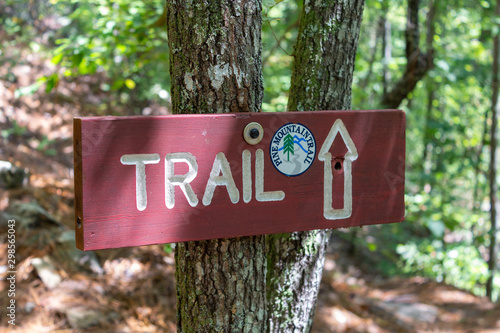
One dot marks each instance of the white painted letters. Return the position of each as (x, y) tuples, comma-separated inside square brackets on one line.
[(226, 179), (260, 195), (221, 175), (140, 161), (172, 180), (246, 170)]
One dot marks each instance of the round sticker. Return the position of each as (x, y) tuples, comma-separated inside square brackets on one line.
[(292, 149)]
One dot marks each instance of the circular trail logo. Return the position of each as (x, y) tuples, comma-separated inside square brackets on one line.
[(292, 149)]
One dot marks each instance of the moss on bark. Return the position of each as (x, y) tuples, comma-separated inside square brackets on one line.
[(215, 67), (321, 80)]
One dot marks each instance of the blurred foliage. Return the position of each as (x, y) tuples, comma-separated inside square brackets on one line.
[(16, 133), (279, 31), (123, 41), (447, 138), (168, 248), (445, 235), (14, 130)]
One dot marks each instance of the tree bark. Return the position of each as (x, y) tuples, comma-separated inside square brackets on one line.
[(215, 67), (215, 50), (495, 85), (221, 285), (321, 80)]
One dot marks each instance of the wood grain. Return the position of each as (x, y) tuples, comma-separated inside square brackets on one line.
[(105, 188)]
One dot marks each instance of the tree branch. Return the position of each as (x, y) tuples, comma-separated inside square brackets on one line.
[(418, 62), (278, 41)]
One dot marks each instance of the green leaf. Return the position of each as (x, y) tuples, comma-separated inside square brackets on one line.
[(50, 152), (168, 248), (372, 247), (130, 84), (51, 82), (76, 59), (28, 90), (117, 84), (57, 58)]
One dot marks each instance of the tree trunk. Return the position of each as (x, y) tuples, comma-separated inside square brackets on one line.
[(428, 136), (215, 67), (386, 47), (375, 34), (321, 80), (495, 85)]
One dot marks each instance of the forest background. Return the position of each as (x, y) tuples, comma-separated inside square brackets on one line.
[(63, 58)]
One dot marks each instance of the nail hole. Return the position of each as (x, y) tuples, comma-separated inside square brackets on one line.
[(254, 133), (78, 222), (338, 166)]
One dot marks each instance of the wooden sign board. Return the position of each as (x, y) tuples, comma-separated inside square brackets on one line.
[(148, 180)]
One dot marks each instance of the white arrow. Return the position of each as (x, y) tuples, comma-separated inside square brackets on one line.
[(325, 156)]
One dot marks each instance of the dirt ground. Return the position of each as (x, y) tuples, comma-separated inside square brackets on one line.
[(61, 289)]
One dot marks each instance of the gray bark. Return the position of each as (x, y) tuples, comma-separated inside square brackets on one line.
[(215, 55), (215, 67), (321, 80), (221, 285)]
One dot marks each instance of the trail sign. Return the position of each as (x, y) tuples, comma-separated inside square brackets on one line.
[(148, 180)]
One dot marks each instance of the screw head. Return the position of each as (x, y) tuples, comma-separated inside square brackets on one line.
[(254, 133)]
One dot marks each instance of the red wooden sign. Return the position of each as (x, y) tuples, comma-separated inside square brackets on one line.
[(148, 180)]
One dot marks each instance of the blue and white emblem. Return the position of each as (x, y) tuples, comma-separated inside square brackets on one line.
[(292, 149)]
